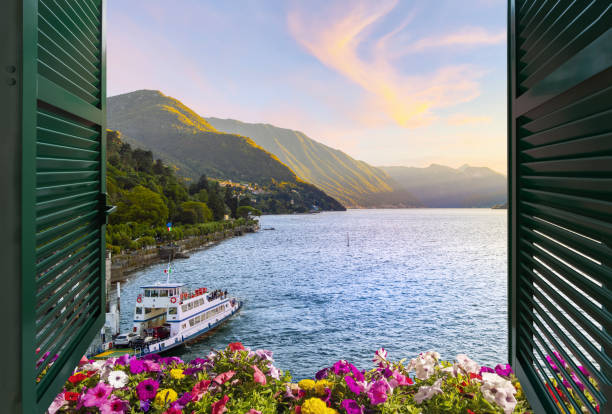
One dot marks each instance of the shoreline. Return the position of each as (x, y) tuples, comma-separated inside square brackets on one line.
[(123, 265)]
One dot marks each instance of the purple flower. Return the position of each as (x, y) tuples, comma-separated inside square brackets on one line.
[(151, 366), (185, 399), (264, 354), (123, 360), (97, 396), (145, 405), (322, 374), (55, 357), (152, 357), (584, 371), (504, 372), (358, 375), (560, 359), (552, 363), (170, 360), (352, 407), (352, 385), (147, 389), (387, 372), (378, 392), (341, 367), (198, 361), (486, 369), (42, 359), (191, 371), (114, 406), (136, 366), (578, 383)]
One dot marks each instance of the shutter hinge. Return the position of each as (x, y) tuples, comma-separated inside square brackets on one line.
[(104, 207)]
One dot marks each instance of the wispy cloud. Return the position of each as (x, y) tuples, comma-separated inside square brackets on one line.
[(337, 36), (465, 37)]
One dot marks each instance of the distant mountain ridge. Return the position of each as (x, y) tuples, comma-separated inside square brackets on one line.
[(442, 186), (355, 183), (179, 136)]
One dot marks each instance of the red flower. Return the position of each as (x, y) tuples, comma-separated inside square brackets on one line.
[(199, 389), (223, 378), (71, 396), (90, 373), (219, 406), (76, 378), (173, 410), (470, 411), (478, 376), (236, 346), (551, 393), (298, 409)]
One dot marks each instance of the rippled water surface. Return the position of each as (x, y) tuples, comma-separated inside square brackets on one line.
[(409, 280)]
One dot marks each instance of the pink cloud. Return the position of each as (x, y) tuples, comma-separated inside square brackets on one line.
[(411, 101), (463, 119)]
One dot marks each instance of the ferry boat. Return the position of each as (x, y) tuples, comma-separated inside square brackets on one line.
[(167, 315)]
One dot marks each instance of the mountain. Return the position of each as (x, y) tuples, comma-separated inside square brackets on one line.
[(352, 182), (442, 186), (173, 132)]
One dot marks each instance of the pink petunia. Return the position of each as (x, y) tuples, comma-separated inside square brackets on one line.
[(114, 406), (378, 392), (258, 376), (199, 389), (223, 378), (219, 406), (97, 396)]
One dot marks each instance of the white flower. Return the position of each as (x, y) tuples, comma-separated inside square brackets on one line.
[(380, 357), (467, 364), (274, 372), (117, 379), (94, 366), (428, 391), (498, 390), (424, 364)]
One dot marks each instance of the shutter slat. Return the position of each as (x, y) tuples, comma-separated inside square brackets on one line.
[(58, 78), (46, 193), (593, 125), (533, 31), (61, 216), (50, 178), (86, 71), (64, 239), (543, 282), (549, 350), (51, 233), (575, 148), (79, 19), (599, 209), (584, 166), (47, 150), (64, 290), (64, 164)]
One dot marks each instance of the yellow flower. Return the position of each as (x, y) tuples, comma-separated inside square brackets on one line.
[(177, 373), (167, 395), (320, 386), (316, 406), (306, 384)]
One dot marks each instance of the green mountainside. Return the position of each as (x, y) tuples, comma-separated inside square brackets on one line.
[(442, 186), (352, 182), (151, 120)]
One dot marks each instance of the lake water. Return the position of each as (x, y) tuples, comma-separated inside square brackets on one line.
[(408, 280)]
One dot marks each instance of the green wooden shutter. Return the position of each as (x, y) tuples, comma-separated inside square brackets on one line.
[(560, 166), (63, 203)]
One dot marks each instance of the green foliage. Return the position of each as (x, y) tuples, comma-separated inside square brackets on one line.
[(246, 211), (194, 212), (143, 206)]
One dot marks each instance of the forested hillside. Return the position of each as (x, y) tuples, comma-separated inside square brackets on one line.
[(354, 183)]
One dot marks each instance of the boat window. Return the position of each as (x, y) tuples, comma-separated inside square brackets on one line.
[(147, 293), (148, 310), (138, 310), (163, 293), (201, 301), (172, 311), (197, 319), (191, 322), (184, 308), (154, 293), (184, 325), (190, 305)]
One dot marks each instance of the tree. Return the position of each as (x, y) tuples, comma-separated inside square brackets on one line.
[(142, 206), (215, 202), (230, 200), (195, 212), (246, 211)]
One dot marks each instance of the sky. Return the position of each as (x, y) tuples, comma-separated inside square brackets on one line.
[(389, 82)]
